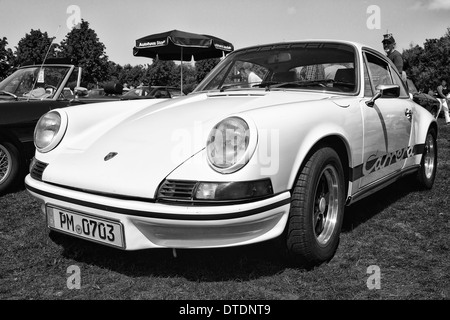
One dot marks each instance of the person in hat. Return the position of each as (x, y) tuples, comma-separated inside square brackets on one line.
[(395, 56)]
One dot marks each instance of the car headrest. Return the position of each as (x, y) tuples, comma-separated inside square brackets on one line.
[(288, 76), (345, 75), (113, 88)]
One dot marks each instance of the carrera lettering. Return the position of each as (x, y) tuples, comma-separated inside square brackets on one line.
[(375, 163)]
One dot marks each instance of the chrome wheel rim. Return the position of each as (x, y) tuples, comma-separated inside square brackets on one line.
[(5, 163), (429, 156), (326, 205)]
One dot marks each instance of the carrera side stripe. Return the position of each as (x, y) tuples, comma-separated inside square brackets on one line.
[(384, 161), (158, 215)]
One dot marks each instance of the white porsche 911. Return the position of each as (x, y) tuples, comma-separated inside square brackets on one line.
[(273, 143)]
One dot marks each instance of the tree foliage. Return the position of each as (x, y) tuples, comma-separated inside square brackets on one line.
[(428, 65), (84, 48), (203, 67), (6, 59), (161, 72), (34, 47)]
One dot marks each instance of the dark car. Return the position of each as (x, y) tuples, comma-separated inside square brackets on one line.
[(425, 100), (152, 92), (111, 91), (25, 96)]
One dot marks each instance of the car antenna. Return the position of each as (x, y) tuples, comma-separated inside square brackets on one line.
[(43, 61)]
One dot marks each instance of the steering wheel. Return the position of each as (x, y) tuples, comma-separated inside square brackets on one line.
[(49, 86)]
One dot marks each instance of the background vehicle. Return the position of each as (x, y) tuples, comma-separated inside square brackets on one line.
[(25, 96), (151, 92)]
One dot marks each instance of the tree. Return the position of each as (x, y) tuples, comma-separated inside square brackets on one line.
[(203, 67), (85, 50), (132, 75), (33, 48), (161, 72), (428, 65), (6, 59), (189, 77)]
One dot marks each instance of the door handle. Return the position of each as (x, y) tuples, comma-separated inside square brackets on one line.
[(408, 113)]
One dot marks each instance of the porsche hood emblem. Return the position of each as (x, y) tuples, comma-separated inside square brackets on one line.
[(110, 155)]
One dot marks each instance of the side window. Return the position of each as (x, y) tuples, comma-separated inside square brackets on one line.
[(398, 80), (379, 70), (368, 92)]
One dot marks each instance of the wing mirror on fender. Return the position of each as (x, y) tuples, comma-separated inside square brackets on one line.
[(385, 91)]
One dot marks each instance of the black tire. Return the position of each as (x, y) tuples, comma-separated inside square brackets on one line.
[(317, 210), (9, 166), (428, 164)]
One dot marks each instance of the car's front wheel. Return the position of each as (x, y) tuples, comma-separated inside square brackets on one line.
[(428, 164), (317, 209), (9, 165)]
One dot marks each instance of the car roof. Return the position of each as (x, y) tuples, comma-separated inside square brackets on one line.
[(355, 44)]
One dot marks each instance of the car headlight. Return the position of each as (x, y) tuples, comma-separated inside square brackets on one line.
[(50, 130), (231, 144)]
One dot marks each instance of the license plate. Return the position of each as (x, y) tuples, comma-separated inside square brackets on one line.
[(84, 226)]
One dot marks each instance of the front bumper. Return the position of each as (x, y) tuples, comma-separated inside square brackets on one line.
[(157, 225)]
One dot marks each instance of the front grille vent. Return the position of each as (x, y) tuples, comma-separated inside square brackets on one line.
[(37, 169), (177, 190)]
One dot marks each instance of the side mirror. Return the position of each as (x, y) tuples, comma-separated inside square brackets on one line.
[(385, 91)]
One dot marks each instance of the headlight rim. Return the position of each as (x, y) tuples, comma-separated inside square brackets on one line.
[(59, 134), (248, 154)]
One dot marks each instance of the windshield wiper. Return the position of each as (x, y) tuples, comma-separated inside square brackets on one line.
[(303, 83), (9, 94), (229, 86)]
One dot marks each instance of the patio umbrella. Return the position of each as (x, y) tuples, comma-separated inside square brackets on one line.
[(182, 46)]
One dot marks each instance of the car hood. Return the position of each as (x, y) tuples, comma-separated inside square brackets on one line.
[(148, 145)]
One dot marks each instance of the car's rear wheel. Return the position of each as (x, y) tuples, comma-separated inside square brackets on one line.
[(9, 165), (428, 164), (317, 209)]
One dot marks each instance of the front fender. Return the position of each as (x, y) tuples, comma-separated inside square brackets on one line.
[(283, 144)]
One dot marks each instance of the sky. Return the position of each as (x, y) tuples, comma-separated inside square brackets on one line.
[(119, 23)]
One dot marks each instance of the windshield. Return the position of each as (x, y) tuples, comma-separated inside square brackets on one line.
[(35, 82), (298, 66)]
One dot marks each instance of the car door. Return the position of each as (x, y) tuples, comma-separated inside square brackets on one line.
[(387, 123)]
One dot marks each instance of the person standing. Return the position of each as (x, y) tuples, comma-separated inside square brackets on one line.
[(442, 93), (395, 56)]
